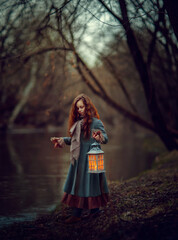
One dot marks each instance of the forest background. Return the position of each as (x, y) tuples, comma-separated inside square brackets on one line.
[(123, 54)]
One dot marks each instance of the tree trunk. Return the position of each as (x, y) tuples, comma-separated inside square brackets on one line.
[(18, 108), (171, 8), (145, 77)]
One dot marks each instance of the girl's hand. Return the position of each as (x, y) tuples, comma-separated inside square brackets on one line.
[(54, 141), (98, 136), (58, 142)]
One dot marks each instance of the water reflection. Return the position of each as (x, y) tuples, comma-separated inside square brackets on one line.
[(32, 173)]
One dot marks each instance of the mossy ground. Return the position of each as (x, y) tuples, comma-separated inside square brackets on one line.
[(142, 208)]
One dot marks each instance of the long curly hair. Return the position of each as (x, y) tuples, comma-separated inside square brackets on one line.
[(90, 112)]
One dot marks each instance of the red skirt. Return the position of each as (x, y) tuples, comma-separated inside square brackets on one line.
[(85, 202)]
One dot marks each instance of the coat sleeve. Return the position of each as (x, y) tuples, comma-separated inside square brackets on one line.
[(99, 125), (67, 140)]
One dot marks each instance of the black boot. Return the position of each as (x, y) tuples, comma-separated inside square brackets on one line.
[(76, 213)]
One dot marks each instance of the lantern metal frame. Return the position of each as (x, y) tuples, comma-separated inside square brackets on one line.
[(95, 159)]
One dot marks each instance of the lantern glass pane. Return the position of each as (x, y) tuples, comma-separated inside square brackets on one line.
[(89, 157), (96, 162), (100, 162)]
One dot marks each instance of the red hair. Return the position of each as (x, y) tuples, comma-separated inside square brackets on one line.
[(90, 112)]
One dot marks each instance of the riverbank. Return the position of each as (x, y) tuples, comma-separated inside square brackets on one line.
[(144, 207)]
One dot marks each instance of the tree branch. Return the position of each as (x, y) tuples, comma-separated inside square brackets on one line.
[(111, 12), (102, 94), (113, 71), (153, 42), (26, 58)]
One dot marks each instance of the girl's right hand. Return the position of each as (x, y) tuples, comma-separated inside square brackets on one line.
[(58, 142)]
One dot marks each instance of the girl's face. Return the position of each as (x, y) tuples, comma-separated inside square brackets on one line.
[(80, 108)]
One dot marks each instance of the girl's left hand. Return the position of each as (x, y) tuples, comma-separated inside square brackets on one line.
[(98, 136)]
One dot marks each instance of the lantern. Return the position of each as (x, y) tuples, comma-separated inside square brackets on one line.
[(95, 159)]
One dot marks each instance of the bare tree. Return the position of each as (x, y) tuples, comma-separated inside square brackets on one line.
[(143, 69), (32, 66)]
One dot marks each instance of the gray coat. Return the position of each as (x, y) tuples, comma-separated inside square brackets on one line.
[(79, 182)]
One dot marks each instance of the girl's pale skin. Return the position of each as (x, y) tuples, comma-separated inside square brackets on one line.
[(81, 110)]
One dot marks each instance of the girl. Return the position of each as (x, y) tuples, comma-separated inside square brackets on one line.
[(83, 190)]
